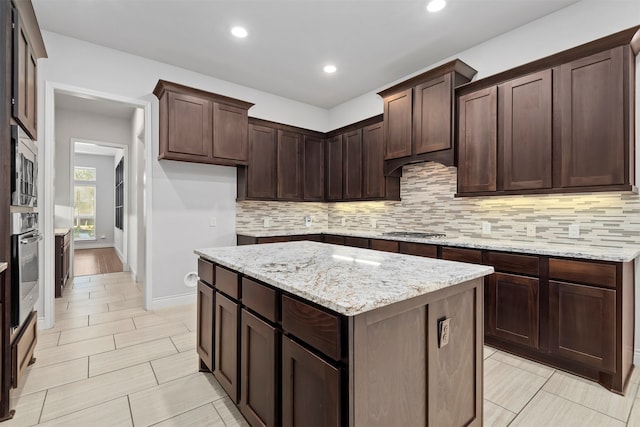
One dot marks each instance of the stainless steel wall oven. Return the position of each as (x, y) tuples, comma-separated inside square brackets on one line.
[(25, 239)]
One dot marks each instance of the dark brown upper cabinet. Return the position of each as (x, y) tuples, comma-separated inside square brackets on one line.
[(290, 165), (352, 164), (373, 180), (565, 123), (419, 116), (202, 127), (27, 48), (262, 174), (314, 183), (334, 168)]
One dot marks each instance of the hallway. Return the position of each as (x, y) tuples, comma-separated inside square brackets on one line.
[(88, 262)]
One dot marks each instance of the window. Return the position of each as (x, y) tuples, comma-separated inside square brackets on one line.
[(120, 194), (84, 209)]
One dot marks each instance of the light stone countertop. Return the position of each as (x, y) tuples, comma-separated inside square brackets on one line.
[(347, 280), (623, 253), (61, 231), (3, 266)]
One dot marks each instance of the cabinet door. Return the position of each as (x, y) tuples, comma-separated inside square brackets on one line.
[(205, 309), (226, 345), (24, 79), (591, 113), (230, 132), (352, 164), (313, 168), (397, 124), (189, 128), (432, 109), (334, 168), (310, 388), (582, 323), (373, 162), (261, 171), (59, 266), (525, 129), (477, 144), (512, 308), (290, 165), (258, 368)]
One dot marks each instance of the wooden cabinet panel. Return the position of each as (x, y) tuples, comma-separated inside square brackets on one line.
[(419, 249), (582, 324), (290, 165), (227, 282), (352, 144), (525, 132), (23, 347), (373, 185), (258, 371), (333, 239), (397, 124), (206, 271), (357, 242), (477, 141), (512, 308), (260, 298), (24, 79), (189, 127), (472, 256), (589, 272), (226, 345), (591, 121), (314, 182), (514, 263), (334, 168), (62, 260), (205, 312), (262, 170), (230, 132), (310, 388), (384, 245), (432, 111)]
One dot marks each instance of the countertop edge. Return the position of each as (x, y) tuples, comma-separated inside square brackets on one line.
[(3, 266)]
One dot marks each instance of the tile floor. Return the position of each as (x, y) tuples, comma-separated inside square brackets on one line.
[(108, 362)]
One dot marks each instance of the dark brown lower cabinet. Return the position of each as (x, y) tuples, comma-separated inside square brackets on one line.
[(310, 388), (205, 309), (226, 345), (62, 254), (258, 402), (583, 324), (512, 308)]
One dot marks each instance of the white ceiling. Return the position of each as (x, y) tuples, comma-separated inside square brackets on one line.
[(96, 149), (104, 107), (372, 42)]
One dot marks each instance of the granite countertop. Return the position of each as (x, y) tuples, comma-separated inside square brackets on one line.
[(348, 280), (624, 253), (61, 231), (3, 266)]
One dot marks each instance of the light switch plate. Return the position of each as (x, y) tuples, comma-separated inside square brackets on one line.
[(444, 331), (486, 227), (374, 223), (343, 222), (308, 221), (574, 231), (266, 222), (213, 222), (531, 230)]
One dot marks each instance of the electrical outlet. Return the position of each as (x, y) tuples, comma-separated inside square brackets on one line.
[(486, 227), (574, 231), (266, 222), (343, 222), (444, 331), (374, 223), (531, 230), (213, 221), (308, 221)]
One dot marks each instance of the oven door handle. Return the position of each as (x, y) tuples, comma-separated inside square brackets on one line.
[(31, 240)]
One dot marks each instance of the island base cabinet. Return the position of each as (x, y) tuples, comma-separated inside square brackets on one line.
[(226, 345), (258, 368), (310, 389), (205, 309)]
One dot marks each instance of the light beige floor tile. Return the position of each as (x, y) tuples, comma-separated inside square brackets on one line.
[(527, 365), (592, 395), (82, 311), (61, 305), (137, 336), (103, 299), (132, 293), (205, 415), (38, 378), (47, 340), (114, 413), (81, 279), (149, 320), (130, 356), (488, 351), (176, 366), (65, 324), (97, 318), (496, 416), (62, 353), (634, 417), (229, 413), (548, 410), (173, 398), (78, 295), (28, 409), (508, 386), (83, 394), (88, 287), (95, 331), (184, 342), (128, 303)]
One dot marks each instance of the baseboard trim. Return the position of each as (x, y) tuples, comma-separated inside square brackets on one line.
[(82, 245), (636, 357), (174, 300)]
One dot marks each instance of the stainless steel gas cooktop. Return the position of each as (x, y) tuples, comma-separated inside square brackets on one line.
[(415, 234)]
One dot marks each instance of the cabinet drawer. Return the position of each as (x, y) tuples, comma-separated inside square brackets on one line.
[(274, 239), (512, 263), (472, 256), (260, 299), (384, 245), (334, 240), (592, 273), (419, 249), (23, 347), (357, 242), (313, 326), (205, 271), (227, 282)]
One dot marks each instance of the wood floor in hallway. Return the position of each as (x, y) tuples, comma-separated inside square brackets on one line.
[(96, 261)]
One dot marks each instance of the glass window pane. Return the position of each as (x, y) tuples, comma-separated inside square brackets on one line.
[(84, 174)]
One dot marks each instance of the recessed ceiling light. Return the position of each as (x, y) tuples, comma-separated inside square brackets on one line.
[(436, 5), (329, 69), (239, 32)]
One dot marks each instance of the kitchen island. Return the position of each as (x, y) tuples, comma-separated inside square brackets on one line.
[(307, 333)]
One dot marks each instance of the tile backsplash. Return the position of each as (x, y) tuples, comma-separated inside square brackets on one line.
[(428, 204)]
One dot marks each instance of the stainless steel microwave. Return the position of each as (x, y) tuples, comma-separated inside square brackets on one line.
[(24, 169)]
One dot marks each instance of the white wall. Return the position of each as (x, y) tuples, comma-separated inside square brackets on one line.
[(579, 23), (136, 197), (105, 200)]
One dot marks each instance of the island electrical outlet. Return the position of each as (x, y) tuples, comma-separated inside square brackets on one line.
[(444, 331)]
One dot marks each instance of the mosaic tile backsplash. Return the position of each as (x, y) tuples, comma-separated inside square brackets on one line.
[(428, 204)]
